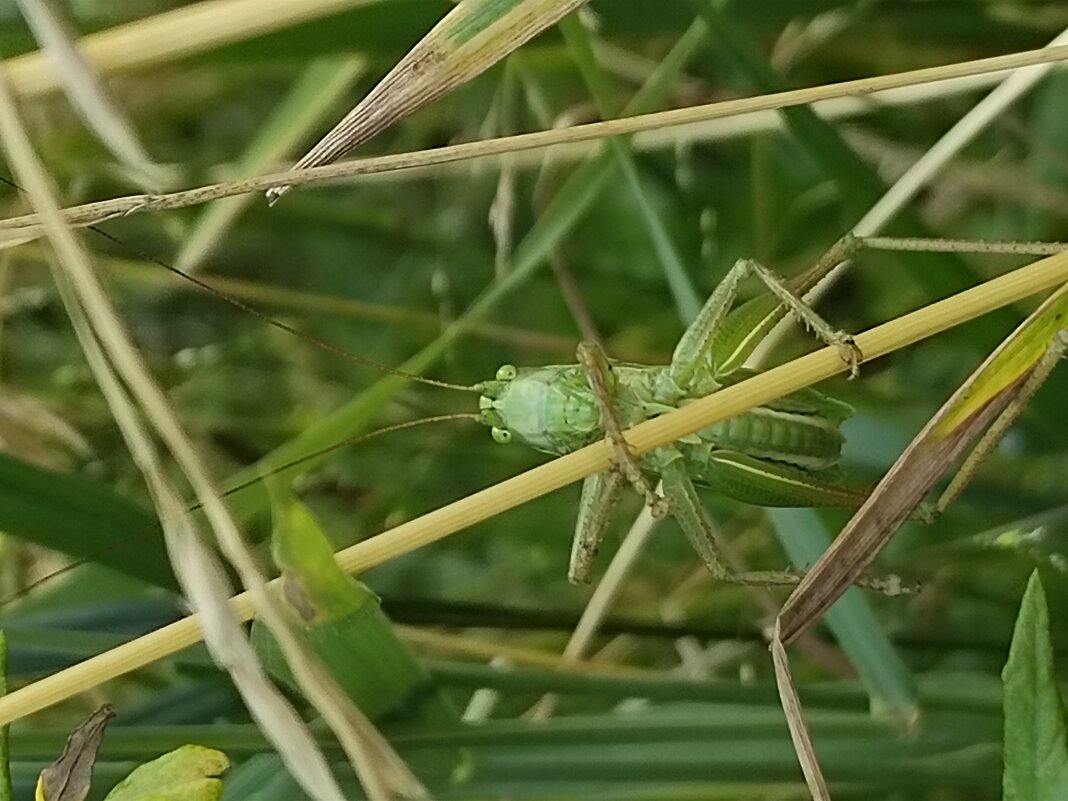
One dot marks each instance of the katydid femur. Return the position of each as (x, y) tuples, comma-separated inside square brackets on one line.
[(781, 454)]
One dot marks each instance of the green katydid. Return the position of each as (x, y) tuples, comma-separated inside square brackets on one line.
[(782, 454)]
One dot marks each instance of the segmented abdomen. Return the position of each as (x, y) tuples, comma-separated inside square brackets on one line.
[(798, 439)]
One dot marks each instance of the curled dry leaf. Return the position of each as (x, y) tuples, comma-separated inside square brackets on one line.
[(69, 777)]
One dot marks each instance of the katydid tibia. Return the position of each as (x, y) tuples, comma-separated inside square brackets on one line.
[(782, 454)]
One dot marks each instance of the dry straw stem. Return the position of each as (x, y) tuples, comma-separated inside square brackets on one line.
[(124, 379), (482, 649), (92, 213), (171, 35), (88, 93), (729, 402)]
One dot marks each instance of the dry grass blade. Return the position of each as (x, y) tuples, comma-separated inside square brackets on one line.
[(456, 645), (88, 94), (728, 402), (28, 226), (469, 40), (123, 378), (68, 778), (987, 402), (172, 35), (1007, 378), (795, 720)]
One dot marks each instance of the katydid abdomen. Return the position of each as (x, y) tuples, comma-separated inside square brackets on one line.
[(803, 440)]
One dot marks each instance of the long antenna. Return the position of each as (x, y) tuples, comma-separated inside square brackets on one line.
[(266, 318), (136, 535), (245, 307)]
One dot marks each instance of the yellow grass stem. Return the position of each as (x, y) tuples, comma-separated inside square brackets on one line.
[(171, 35), (436, 525)]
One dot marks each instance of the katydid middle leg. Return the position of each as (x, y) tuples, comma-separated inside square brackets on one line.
[(599, 494), (692, 519)]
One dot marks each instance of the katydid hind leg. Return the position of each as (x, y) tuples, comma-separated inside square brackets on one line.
[(1041, 371), (602, 382), (761, 482), (689, 512), (824, 331), (742, 331), (599, 493)]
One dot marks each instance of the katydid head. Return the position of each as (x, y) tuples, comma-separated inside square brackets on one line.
[(548, 408)]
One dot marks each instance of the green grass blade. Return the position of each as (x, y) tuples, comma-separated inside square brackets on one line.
[(314, 94), (686, 299), (82, 518), (343, 624), (1036, 749)]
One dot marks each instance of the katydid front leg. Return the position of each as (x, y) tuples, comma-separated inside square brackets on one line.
[(599, 494), (599, 491), (603, 383)]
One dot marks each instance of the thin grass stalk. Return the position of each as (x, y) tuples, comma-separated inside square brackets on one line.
[(124, 379), (729, 402), (93, 213)]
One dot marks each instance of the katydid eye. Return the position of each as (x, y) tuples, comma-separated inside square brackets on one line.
[(501, 435), (507, 372)]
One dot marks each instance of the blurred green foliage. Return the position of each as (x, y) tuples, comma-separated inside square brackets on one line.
[(419, 248)]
